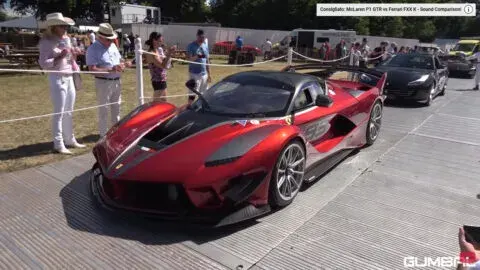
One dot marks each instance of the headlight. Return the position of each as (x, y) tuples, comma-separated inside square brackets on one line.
[(419, 81)]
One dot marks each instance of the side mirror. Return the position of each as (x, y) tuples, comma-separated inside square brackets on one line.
[(323, 101)]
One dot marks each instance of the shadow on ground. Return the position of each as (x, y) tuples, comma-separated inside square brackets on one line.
[(403, 104), (38, 149), (455, 75), (465, 90), (83, 213)]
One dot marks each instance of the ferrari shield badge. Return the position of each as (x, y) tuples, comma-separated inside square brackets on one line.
[(289, 119)]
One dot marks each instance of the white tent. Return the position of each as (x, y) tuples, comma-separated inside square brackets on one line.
[(25, 22)]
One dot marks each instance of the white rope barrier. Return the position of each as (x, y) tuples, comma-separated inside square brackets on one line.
[(335, 60), (375, 58), (171, 96), (51, 71), (52, 114), (82, 109), (318, 60), (220, 65)]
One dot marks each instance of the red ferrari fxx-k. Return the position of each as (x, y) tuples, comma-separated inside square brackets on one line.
[(244, 147)]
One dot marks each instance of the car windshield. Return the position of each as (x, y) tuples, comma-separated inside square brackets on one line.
[(254, 98), (464, 47), (410, 61)]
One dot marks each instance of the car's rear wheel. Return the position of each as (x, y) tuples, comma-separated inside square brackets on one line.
[(374, 123), (287, 176)]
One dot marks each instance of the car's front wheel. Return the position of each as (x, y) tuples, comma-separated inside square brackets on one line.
[(431, 95), (287, 176), (442, 93)]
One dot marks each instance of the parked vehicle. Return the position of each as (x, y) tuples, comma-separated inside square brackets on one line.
[(313, 38), (225, 47), (456, 59), (414, 76)]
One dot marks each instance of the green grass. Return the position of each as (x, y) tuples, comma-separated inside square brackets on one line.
[(28, 143)]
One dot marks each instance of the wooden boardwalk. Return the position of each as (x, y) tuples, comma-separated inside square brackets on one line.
[(405, 196)]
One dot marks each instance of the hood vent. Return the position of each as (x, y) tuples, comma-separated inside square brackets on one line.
[(180, 127)]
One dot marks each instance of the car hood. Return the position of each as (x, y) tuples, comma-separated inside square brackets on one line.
[(187, 140), (133, 126), (405, 75), (460, 52)]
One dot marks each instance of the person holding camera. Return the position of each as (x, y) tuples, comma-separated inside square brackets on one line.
[(57, 54), (199, 71), (159, 62), (103, 56)]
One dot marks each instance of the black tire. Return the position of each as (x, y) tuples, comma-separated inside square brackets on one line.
[(375, 120), (430, 97), (443, 90), (276, 198)]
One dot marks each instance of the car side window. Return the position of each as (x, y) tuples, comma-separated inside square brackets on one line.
[(304, 99), (317, 89)]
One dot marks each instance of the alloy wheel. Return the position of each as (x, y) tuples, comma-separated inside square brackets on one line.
[(375, 121), (290, 172)]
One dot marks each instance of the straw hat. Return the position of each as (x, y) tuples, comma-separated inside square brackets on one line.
[(105, 30), (58, 19)]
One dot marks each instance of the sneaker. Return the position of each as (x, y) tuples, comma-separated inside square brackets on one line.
[(63, 150), (475, 88), (76, 145)]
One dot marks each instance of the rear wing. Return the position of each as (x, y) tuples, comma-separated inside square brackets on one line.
[(364, 75)]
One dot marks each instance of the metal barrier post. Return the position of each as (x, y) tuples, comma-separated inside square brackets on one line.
[(289, 55), (139, 69)]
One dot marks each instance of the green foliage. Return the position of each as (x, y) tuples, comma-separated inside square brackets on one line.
[(363, 26), (88, 9)]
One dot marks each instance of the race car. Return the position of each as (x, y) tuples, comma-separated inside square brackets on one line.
[(244, 147), (418, 77)]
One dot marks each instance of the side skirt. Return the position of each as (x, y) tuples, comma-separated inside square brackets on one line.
[(319, 168)]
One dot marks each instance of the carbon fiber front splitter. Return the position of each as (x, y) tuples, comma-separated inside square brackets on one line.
[(211, 219)]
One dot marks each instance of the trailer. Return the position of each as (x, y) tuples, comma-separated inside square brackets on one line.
[(313, 39)]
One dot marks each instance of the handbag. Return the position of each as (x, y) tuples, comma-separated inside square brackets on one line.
[(77, 79)]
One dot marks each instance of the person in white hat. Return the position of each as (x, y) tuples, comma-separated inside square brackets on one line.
[(56, 54), (103, 56)]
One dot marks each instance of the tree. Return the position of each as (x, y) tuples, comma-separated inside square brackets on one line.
[(363, 26), (182, 10), (87, 9), (394, 27), (426, 31)]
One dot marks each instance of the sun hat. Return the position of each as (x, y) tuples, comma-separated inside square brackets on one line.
[(105, 30), (57, 18)]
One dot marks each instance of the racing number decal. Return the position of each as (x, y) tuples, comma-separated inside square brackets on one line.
[(315, 130)]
